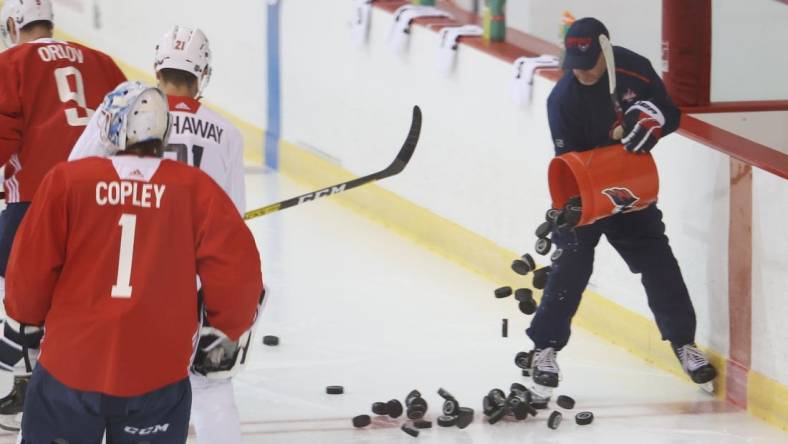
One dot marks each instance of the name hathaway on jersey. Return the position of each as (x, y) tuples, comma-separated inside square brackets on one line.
[(190, 124), (138, 194)]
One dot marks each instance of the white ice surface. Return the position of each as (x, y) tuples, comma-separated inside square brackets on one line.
[(357, 305)]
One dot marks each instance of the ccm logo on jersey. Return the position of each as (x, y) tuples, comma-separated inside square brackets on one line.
[(147, 430), (321, 193)]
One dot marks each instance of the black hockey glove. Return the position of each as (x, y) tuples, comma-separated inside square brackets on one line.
[(642, 124)]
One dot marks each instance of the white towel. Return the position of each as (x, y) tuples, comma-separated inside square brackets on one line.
[(403, 16), (524, 69), (359, 24), (447, 53)]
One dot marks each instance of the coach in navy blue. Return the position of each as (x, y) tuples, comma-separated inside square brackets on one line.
[(582, 117)]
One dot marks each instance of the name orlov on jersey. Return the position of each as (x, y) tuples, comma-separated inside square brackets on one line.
[(321, 193), (193, 125)]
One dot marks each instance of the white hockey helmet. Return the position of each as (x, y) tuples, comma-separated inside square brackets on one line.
[(23, 12), (132, 113), (186, 49)]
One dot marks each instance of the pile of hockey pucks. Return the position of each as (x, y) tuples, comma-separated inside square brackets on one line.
[(567, 403), (415, 408), (453, 413), (518, 404)]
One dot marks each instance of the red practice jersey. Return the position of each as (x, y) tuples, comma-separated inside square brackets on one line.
[(105, 260), (48, 91)]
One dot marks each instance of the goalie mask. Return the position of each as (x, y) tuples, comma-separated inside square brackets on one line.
[(134, 113), (22, 12), (185, 49)]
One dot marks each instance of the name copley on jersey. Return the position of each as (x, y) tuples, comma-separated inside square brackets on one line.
[(192, 125), (322, 193), (138, 194)]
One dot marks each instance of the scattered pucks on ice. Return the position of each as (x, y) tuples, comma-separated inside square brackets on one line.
[(584, 418), (503, 292), (361, 421), (555, 420), (410, 430), (566, 402)]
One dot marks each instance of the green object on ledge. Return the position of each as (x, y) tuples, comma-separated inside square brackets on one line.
[(494, 20)]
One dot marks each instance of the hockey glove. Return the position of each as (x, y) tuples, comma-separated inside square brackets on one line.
[(217, 357), (643, 124)]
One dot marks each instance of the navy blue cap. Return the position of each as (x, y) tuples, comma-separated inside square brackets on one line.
[(582, 43)]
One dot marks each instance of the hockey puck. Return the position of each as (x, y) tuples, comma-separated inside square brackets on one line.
[(527, 307), (555, 420), (523, 360), (526, 373), (517, 387), (539, 405), (335, 389), (503, 292), (540, 277), (497, 397), (394, 408), (465, 417), (451, 407), (443, 393), (584, 418), (523, 294), (516, 404), (422, 424), (520, 267), (504, 328), (411, 396), (552, 216), (361, 421), (487, 406), (496, 415), (412, 431), (543, 246), (379, 408), (556, 254), (565, 402), (270, 340), (446, 421), (416, 408), (544, 230)]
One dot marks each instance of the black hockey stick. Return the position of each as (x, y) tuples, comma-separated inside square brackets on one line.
[(399, 163), (607, 51)]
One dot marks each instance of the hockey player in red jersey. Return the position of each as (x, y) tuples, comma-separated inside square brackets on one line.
[(206, 140), (118, 243), (48, 91)]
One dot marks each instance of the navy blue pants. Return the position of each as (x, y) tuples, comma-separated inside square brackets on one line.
[(55, 413), (639, 237), (10, 219)]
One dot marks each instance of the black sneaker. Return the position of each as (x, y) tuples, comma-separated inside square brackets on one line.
[(694, 363), (12, 404)]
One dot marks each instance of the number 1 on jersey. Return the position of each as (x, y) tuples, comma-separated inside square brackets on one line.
[(122, 287)]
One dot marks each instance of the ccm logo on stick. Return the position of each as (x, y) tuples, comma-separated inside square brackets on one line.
[(322, 193)]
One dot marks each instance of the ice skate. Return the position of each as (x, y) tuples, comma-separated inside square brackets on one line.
[(545, 374), (695, 364), (11, 405)]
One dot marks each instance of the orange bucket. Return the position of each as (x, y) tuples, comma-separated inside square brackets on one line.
[(609, 180)]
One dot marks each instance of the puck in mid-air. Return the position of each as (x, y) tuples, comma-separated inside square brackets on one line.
[(394, 408), (422, 424), (556, 254), (465, 417), (544, 230), (270, 340), (361, 421), (540, 277), (451, 407), (565, 402), (527, 307), (523, 294), (335, 389), (504, 328), (555, 420), (443, 393), (584, 418), (503, 292), (523, 360), (543, 246), (412, 431), (446, 421), (552, 216)]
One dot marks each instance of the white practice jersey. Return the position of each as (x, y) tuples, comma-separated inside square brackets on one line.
[(199, 137)]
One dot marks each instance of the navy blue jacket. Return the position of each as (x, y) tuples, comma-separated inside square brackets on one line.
[(581, 117)]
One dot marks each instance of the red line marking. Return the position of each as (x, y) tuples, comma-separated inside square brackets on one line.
[(739, 106), (633, 74)]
